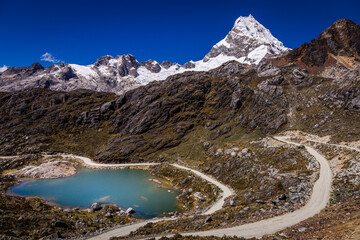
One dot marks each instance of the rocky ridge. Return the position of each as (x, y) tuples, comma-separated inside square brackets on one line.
[(248, 42), (336, 50)]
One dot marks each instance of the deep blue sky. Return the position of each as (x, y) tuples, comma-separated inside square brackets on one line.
[(80, 31)]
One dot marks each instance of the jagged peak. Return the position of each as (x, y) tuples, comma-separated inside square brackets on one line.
[(247, 42), (103, 60), (342, 30), (125, 56), (342, 38), (36, 66), (250, 27)]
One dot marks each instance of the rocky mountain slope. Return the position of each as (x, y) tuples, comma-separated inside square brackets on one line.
[(248, 42), (336, 49), (145, 121)]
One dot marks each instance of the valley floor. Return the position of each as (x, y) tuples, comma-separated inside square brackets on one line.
[(313, 220)]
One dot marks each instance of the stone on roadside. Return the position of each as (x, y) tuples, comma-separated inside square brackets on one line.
[(208, 219), (96, 206), (199, 196), (130, 211), (282, 197), (67, 210)]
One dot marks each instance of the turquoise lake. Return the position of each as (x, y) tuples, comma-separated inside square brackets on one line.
[(124, 187)]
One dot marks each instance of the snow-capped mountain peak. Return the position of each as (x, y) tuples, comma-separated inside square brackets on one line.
[(249, 27), (248, 42)]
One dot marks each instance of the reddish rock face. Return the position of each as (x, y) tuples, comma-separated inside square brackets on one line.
[(340, 39)]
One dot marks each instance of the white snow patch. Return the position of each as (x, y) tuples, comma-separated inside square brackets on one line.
[(115, 62), (145, 76), (3, 68), (85, 71), (258, 53)]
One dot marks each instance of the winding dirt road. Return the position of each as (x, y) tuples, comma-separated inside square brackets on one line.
[(126, 229), (318, 201), (225, 190)]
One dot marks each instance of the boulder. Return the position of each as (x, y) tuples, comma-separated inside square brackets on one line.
[(206, 145), (244, 151), (236, 100), (96, 206), (356, 103), (107, 107), (67, 210), (220, 132), (230, 201), (299, 74), (130, 211), (282, 197), (199, 196), (60, 224), (208, 219)]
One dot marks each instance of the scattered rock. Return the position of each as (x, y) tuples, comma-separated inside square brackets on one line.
[(356, 103), (282, 197), (67, 210), (60, 224), (230, 201), (155, 181), (208, 219), (130, 211), (96, 206), (121, 212), (299, 74), (244, 151), (184, 181), (206, 145), (199, 196), (220, 132)]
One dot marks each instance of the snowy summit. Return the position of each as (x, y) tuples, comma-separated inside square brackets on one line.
[(248, 42)]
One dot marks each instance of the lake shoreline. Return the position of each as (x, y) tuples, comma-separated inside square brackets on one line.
[(131, 188)]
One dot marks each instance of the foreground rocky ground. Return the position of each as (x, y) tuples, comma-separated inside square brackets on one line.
[(271, 164), (281, 181), (338, 222)]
